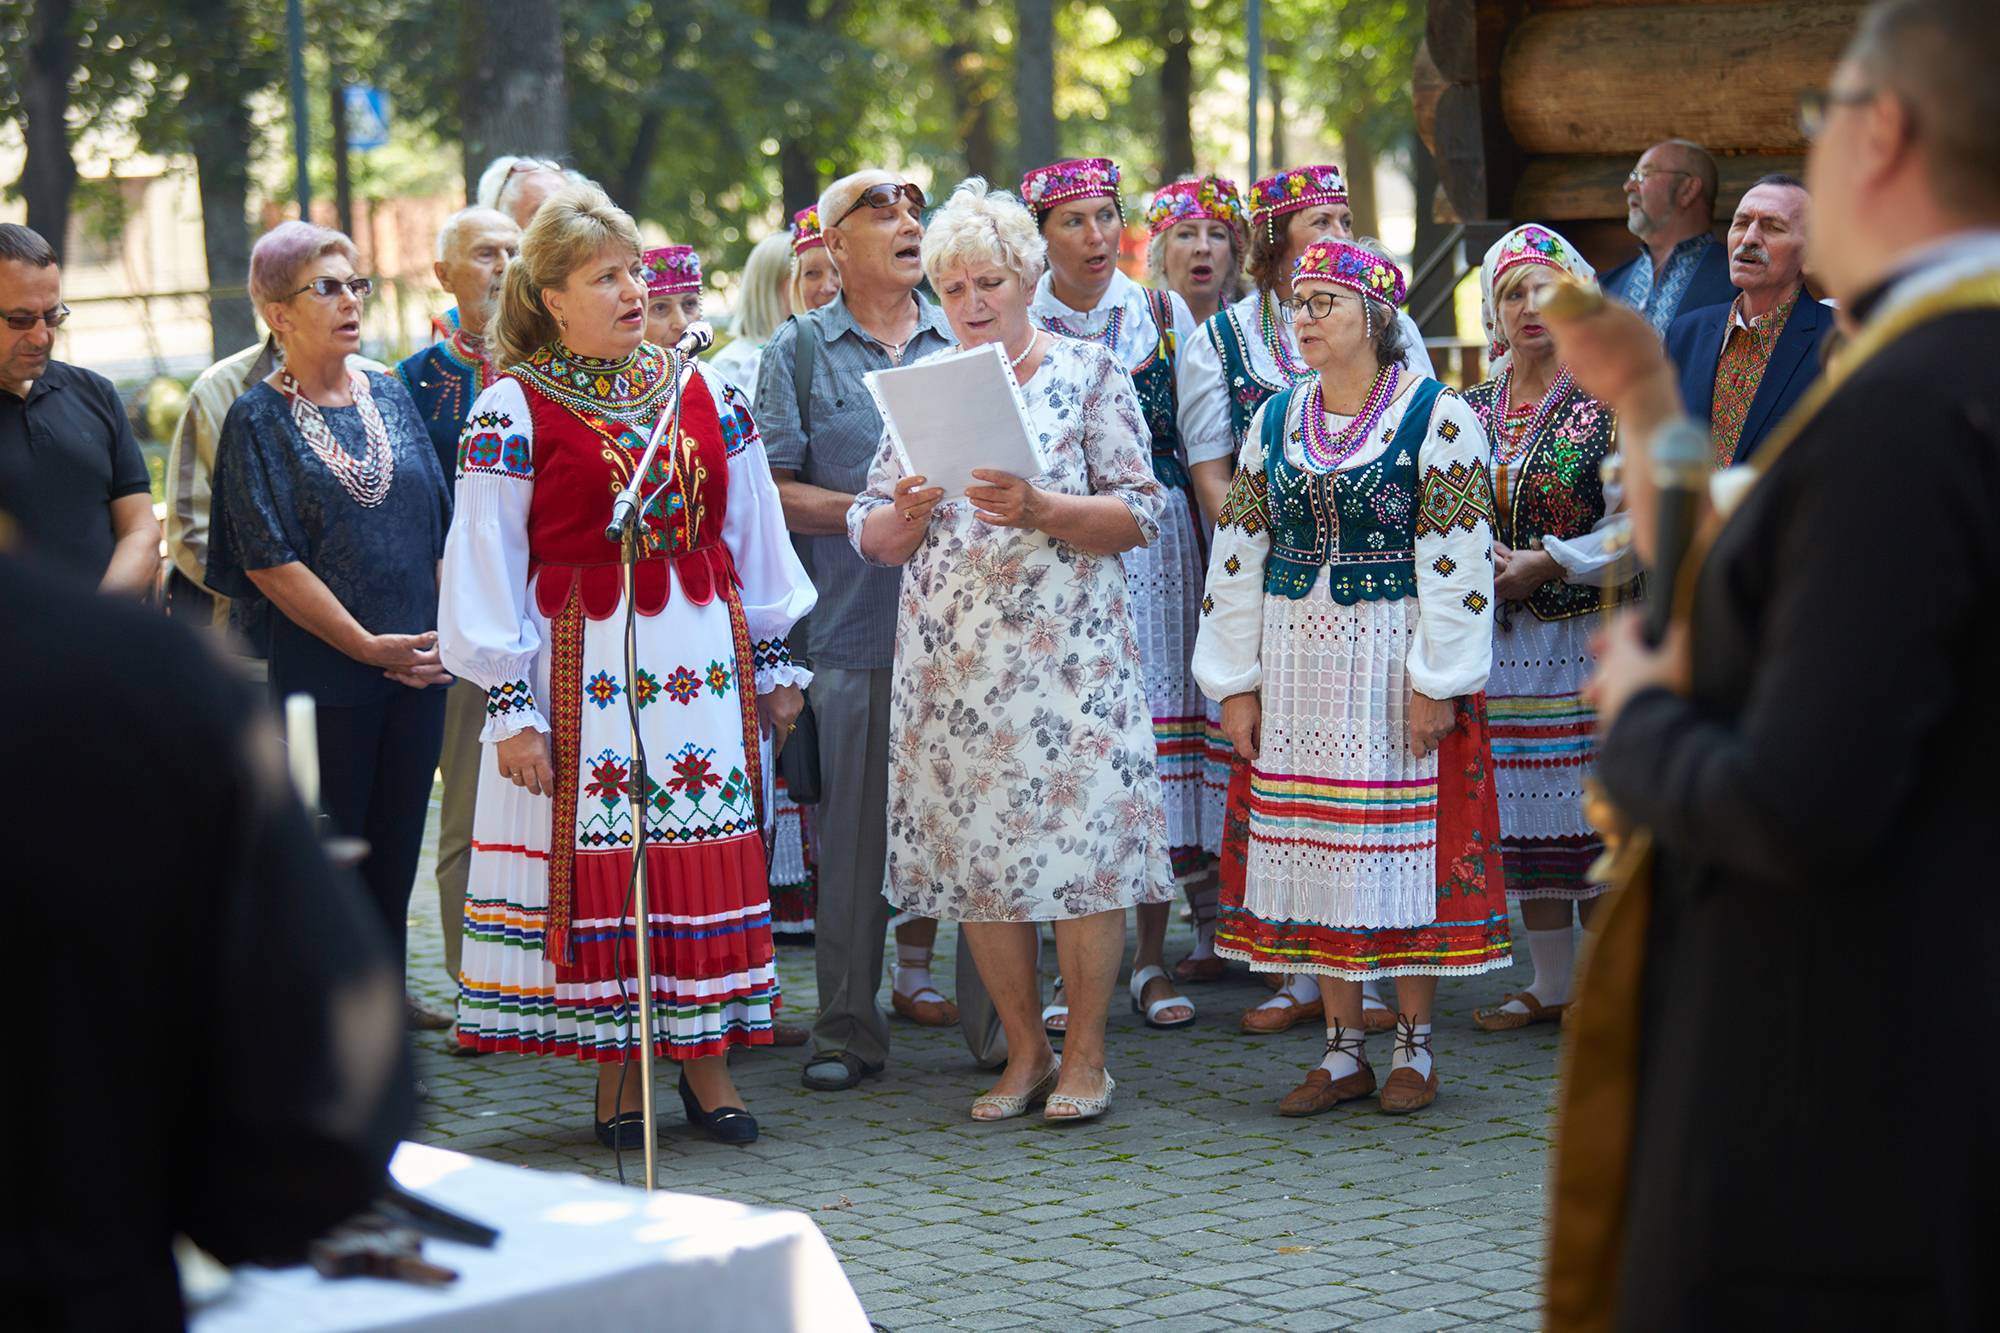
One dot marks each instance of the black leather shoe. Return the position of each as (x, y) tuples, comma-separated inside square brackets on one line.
[(725, 1124), (625, 1130)]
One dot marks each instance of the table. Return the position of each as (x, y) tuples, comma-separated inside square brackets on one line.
[(574, 1253)]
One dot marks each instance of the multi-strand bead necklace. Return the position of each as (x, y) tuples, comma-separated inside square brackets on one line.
[(1325, 450), (366, 478)]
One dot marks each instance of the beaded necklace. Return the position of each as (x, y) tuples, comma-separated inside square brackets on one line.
[(1511, 443), (368, 478), (1327, 451), (1289, 366), (1108, 335), (470, 352)]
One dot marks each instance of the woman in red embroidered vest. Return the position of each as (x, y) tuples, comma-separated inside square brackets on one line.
[(533, 611), (1346, 635), (1554, 568)]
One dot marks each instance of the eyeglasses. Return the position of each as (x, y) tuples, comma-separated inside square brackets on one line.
[(52, 318), (330, 287), (881, 196), (1640, 175), (1317, 306), (1816, 103)]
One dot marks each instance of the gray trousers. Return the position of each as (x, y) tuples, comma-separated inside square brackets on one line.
[(852, 917), (458, 764)]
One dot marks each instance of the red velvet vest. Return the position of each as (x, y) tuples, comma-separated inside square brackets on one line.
[(581, 460)]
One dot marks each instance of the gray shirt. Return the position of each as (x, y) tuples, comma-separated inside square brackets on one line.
[(854, 624)]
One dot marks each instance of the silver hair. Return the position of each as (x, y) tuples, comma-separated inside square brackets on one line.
[(448, 233), (983, 225), (494, 180)]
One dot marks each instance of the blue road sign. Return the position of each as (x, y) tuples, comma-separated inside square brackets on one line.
[(367, 117)]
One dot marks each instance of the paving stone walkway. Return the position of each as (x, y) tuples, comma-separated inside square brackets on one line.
[(1190, 1207)]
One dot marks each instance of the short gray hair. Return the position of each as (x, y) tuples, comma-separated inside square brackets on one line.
[(1939, 57), (448, 233), (1390, 341), (25, 246), (983, 225), (1704, 171), (501, 170)]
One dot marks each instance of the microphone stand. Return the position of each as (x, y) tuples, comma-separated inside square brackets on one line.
[(628, 531)]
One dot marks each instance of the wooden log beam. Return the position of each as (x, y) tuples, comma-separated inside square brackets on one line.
[(1619, 80), (1553, 189), (1476, 159)]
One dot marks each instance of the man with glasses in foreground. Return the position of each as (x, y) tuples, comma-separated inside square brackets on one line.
[(1776, 1111), (1670, 207), (64, 432), (821, 430)]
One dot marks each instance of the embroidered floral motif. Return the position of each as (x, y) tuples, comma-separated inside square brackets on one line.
[(718, 679), (1448, 431), (608, 775), (682, 686), (1208, 606), (510, 699), (645, 687), (1444, 566), (1474, 602), (1233, 565), (692, 773), (602, 690), (768, 653), (1458, 496), (488, 451)]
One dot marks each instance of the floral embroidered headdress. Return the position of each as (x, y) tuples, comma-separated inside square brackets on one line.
[(671, 270), (806, 231), (1079, 178), (1346, 265), (1529, 244), (1290, 191), (1210, 198)]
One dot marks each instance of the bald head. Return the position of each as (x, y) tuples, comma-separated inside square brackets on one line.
[(474, 247), (1670, 195), (876, 249)]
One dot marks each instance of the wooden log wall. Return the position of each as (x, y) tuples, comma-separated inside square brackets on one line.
[(1536, 109)]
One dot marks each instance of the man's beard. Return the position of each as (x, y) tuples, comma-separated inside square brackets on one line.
[(1639, 222)]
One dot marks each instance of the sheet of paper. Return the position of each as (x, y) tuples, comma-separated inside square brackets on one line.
[(950, 414)]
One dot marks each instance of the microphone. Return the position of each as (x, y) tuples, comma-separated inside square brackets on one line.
[(624, 509), (700, 336), (1680, 459)]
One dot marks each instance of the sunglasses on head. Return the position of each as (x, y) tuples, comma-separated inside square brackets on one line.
[(330, 287), (882, 196), (52, 318)]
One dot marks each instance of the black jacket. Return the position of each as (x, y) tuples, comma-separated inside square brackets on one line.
[(1694, 341), (1817, 1099)]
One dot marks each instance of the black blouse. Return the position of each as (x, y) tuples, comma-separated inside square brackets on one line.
[(277, 503)]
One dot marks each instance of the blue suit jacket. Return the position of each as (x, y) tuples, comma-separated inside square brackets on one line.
[(1709, 284), (1694, 341)]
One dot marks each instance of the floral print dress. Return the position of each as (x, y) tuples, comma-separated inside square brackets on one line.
[(1022, 776)]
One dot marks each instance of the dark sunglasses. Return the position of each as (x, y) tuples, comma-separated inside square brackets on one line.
[(881, 196), (330, 287), (52, 318)]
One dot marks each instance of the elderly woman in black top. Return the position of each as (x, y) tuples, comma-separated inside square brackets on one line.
[(331, 503)]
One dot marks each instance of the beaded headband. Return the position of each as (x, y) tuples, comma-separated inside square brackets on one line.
[(1352, 267), (1079, 178), (806, 232), (1212, 198), (1533, 244), (671, 269), (1290, 191)]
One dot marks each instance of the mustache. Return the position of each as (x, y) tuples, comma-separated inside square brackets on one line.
[(1751, 253)]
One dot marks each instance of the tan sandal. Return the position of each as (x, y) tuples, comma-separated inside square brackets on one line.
[(1498, 1019), (1009, 1107), (927, 1008)]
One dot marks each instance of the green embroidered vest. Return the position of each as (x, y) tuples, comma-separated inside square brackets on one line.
[(1247, 391), (1361, 523), (1159, 401)]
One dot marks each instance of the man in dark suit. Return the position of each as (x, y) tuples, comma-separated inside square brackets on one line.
[(1670, 207), (1775, 1112), (1744, 364)]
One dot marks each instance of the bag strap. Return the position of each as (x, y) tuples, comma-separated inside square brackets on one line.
[(803, 343)]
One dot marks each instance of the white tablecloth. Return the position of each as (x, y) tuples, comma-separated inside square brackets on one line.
[(574, 1253)]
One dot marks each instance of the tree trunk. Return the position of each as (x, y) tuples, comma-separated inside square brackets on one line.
[(512, 96), (1357, 146), (1280, 159), (790, 24), (48, 174), (1176, 92), (1035, 83), (219, 137), (968, 75), (343, 181), (636, 176)]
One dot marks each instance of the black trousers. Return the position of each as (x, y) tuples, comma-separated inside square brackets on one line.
[(376, 765)]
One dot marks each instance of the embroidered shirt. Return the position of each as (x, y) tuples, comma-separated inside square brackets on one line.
[(1746, 352), (1659, 299)]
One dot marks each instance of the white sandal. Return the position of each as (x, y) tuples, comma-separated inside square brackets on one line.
[(1012, 1107), (1140, 979), (1053, 1010), (1082, 1108)]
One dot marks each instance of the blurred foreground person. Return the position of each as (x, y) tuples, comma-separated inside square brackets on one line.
[(1747, 1140), (213, 901)]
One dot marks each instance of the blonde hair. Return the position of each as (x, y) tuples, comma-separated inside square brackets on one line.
[(568, 231), (982, 225), (763, 298)]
